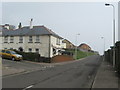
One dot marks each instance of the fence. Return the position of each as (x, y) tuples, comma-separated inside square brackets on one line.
[(109, 56)]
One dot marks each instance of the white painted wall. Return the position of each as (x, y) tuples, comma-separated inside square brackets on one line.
[(43, 46), (55, 45)]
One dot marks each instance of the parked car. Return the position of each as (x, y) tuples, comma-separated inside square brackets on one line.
[(9, 54)]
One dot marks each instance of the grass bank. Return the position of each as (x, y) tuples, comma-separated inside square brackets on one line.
[(80, 54)]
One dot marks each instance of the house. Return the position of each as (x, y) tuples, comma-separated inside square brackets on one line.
[(7, 26), (32, 39), (85, 47), (69, 45)]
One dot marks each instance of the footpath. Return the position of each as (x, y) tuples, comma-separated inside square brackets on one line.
[(106, 77)]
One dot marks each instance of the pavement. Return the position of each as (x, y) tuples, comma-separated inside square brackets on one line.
[(106, 77)]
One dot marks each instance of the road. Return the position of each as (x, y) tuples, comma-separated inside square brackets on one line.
[(74, 74)]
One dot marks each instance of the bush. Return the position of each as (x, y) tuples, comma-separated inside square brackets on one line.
[(33, 56), (109, 56)]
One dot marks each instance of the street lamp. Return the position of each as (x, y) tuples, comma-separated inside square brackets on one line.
[(113, 32), (76, 46), (104, 44), (104, 47)]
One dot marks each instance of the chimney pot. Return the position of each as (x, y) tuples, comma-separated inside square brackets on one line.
[(20, 25), (31, 26)]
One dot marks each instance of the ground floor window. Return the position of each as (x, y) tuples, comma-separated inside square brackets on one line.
[(54, 51), (37, 50), (20, 49), (30, 49)]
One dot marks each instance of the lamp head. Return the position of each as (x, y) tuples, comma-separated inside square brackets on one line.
[(107, 4)]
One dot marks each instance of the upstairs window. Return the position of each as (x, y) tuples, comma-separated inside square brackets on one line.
[(58, 41), (21, 39), (11, 39), (30, 39), (37, 39), (6, 39)]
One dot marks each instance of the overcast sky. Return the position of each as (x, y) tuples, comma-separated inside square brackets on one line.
[(92, 20)]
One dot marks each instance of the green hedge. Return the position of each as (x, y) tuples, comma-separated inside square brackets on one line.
[(33, 56), (109, 56)]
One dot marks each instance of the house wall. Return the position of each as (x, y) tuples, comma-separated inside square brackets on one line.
[(43, 46), (45, 42), (68, 44), (85, 47), (55, 45)]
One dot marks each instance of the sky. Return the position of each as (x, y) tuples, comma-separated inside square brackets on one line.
[(92, 20)]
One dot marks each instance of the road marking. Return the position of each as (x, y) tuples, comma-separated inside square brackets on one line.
[(28, 87)]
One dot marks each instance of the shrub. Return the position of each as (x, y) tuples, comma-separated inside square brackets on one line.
[(33, 56)]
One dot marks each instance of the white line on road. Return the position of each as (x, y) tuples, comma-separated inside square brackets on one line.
[(28, 87)]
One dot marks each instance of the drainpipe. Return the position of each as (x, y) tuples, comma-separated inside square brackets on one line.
[(49, 46)]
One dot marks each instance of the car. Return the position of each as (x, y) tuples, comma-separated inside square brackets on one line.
[(10, 54)]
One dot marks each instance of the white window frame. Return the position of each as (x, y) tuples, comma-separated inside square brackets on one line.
[(30, 39), (11, 39), (20, 39), (6, 39), (37, 38), (58, 41)]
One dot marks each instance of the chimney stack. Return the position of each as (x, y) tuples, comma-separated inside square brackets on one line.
[(7, 26), (20, 25), (31, 26)]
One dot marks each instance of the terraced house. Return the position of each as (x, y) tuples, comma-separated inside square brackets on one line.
[(32, 39)]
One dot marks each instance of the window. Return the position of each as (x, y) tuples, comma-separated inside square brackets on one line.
[(37, 50), (21, 39), (37, 39), (6, 39), (30, 39), (30, 49), (11, 48), (3, 51), (8, 52), (11, 39), (58, 41)]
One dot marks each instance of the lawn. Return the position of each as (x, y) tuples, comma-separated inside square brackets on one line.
[(80, 54)]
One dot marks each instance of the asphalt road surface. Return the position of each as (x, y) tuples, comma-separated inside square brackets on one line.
[(26, 65), (74, 74)]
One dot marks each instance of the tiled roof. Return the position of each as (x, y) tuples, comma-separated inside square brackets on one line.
[(26, 31)]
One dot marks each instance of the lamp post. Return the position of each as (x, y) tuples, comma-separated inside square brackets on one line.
[(113, 32), (104, 44), (76, 46), (103, 48)]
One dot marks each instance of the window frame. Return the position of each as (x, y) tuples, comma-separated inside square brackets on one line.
[(6, 39), (37, 39), (30, 39), (20, 39), (11, 39)]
